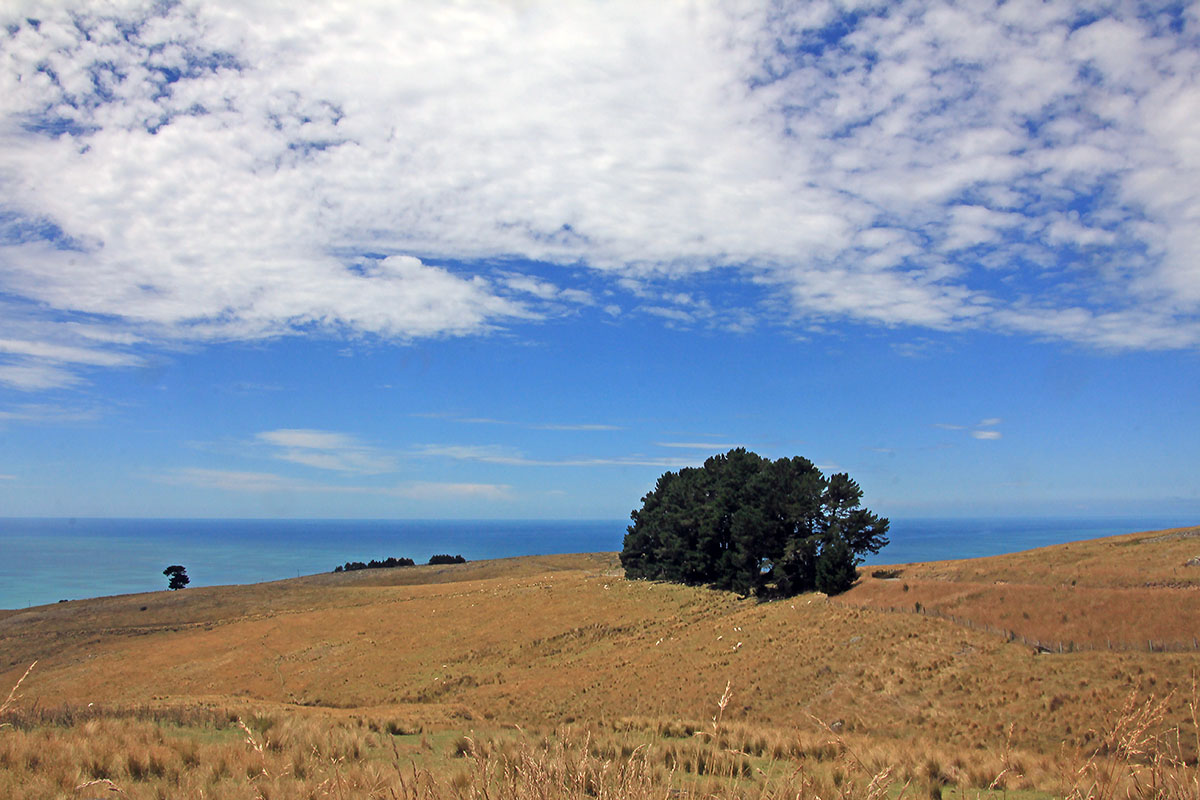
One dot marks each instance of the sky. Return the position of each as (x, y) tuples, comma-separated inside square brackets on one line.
[(517, 259)]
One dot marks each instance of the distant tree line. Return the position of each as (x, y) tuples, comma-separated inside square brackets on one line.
[(388, 563), (755, 526)]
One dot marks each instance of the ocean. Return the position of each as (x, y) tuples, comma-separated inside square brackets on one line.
[(47, 560)]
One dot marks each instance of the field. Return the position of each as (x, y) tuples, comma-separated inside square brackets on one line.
[(554, 677)]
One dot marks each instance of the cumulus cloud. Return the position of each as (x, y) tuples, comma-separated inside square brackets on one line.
[(202, 171)]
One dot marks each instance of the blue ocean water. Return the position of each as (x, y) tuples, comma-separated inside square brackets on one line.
[(46, 560)]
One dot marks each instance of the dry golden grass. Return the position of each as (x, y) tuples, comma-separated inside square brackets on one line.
[(194, 752), (508, 678), (1138, 591)]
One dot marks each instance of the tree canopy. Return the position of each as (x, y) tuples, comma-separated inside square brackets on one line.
[(746, 523), (177, 577), (387, 563)]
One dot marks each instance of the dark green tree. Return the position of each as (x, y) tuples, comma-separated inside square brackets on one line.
[(746, 523), (835, 571), (177, 577)]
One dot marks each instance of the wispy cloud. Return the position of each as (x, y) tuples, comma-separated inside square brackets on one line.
[(585, 426), (40, 412), (270, 483), (325, 450), (802, 148), (36, 377), (36, 355), (984, 430), (66, 353), (533, 426), (506, 456), (429, 490), (709, 446), (237, 481)]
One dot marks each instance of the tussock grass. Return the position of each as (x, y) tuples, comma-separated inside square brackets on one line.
[(306, 754)]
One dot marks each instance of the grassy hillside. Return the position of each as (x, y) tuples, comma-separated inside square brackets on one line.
[(558, 663), (1140, 591)]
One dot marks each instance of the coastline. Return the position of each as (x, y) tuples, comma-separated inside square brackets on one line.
[(126, 556)]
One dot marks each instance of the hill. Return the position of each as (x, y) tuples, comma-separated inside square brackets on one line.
[(697, 681), (1132, 592)]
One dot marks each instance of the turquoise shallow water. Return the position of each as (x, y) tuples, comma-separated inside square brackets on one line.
[(46, 560)]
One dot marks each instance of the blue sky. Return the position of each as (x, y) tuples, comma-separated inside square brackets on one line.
[(492, 260)]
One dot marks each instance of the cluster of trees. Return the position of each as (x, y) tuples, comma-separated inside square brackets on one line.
[(391, 561), (387, 563), (755, 526)]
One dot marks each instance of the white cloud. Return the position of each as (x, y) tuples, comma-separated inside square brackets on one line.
[(507, 456), (306, 438), (697, 445), (426, 490), (583, 426), (492, 454), (984, 429), (672, 314), (235, 481), (36, 377), (270, 483), (66, 353), (534, 426), (222, 170), (325, 450), (41, 412)]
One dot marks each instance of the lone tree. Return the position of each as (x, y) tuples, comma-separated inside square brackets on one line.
[(746, 523), (177, 577)]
